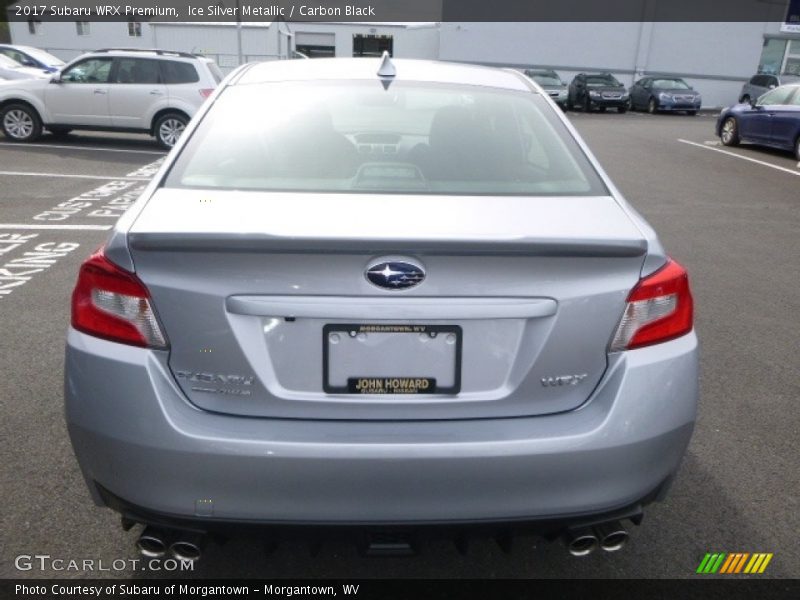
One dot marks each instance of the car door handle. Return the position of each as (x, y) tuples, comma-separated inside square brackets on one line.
[(100, 91), (156, 93)]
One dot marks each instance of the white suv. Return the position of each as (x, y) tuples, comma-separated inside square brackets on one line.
[(145, 91)]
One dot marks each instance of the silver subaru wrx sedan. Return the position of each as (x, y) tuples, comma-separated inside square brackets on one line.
[(383, 295)]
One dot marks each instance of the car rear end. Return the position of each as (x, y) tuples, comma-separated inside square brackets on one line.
[(286, 330), (190, 80)]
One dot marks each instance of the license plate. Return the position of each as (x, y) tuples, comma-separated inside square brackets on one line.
[(391, 359)]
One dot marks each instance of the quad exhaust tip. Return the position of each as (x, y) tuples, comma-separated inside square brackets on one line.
[(580, 542), (151, 543), (187, 547), (612, 536), (155, 543)]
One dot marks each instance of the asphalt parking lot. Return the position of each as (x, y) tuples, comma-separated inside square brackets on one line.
[(729, 215)]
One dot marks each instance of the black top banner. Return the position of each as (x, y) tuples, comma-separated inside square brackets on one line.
[(400, 10)]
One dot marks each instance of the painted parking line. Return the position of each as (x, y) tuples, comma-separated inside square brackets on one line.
[(87, 148), (19, 268), (24, 257), (71, 176), (747, 158), (55, 227), (108, 201)]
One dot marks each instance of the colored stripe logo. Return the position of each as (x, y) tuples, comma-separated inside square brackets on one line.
[(732, 563)]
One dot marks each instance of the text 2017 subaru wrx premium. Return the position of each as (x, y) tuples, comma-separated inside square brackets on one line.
[(383, 295)]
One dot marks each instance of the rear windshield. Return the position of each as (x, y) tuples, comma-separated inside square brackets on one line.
[(546, 80), (671, 84), (359, 137), (602, 80), (174, 72)]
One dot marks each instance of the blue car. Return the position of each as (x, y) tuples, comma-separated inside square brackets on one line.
[(32, 57), (772, 120), (671, 94)]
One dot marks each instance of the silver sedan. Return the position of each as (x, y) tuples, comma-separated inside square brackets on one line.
[(384, 294)]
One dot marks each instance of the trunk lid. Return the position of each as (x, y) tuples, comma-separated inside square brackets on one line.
[(520, 300)]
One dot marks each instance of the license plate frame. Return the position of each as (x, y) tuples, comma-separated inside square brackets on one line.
[(400, 329)]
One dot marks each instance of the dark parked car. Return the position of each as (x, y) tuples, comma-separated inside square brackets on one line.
[(762, 83), (551, 83), (772, 120), (597, 90), (664, 93)]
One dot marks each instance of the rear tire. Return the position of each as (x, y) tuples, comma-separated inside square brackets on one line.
[(730, 132), (169, 128), (622, 109), (20, 123)]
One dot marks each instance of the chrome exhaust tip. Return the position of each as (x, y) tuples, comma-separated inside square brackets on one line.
[(612, 536), (187, 547), (152, 543), (580, 542)]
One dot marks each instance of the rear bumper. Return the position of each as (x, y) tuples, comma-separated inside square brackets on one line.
[(135, 435)]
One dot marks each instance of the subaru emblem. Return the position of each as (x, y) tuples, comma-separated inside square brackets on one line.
[(395, 274)]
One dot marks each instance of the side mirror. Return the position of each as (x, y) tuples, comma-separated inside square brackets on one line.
[(754, 103), (56, 78)]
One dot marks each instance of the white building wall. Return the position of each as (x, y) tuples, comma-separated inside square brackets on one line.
[(716, 58), (572, 47), (414, 41), (260, 40), (62, 39), (218, 41), (418, 42)]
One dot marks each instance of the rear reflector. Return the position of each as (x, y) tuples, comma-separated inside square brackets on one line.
[(206, 92), (659, 308), (111, 303)]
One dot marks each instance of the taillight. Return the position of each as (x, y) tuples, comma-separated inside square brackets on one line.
[(206, 92), (111, 303), (659, 308)]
